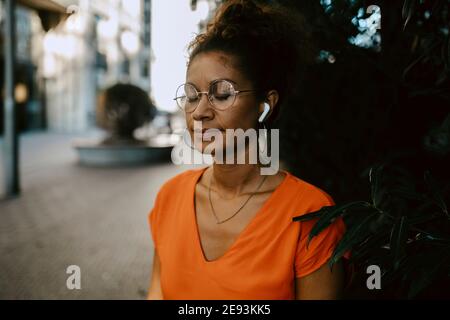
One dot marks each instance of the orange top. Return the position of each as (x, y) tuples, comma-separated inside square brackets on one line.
[(262, 262)]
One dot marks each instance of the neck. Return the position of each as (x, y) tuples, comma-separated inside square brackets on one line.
[(234, 179)]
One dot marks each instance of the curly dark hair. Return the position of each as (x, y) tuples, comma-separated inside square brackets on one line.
[(271, 44)]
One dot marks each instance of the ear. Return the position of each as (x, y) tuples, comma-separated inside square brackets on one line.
[(272, 100)]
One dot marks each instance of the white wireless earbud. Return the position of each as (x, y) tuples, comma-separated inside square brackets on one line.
[(264, 113)]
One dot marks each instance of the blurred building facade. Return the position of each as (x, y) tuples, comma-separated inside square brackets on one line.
[(60, 73), (27, 95), (103, 42)]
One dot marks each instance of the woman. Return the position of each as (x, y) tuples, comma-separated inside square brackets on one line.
[(226, 231)]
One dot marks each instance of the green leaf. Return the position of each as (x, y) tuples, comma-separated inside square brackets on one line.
[(419, 219), (319, 213), (434, 189), (369, 246), (407, 193), (426, 206), (329, 215), (425, 54), (375, 180), (399, 236), (435, 239), (407, 11), (311, 215), (352, 237)]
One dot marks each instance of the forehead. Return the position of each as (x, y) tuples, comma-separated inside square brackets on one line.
[(209, 66)]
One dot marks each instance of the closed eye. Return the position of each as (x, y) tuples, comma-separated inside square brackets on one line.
[(192, 99), (222, 97)]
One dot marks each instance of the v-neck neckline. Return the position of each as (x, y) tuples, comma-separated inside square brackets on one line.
[(257, 216)]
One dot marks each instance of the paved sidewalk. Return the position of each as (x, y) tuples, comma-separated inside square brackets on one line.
[(68, 214)]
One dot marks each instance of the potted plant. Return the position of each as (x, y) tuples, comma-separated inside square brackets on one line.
[(123, 108), (404, 229)]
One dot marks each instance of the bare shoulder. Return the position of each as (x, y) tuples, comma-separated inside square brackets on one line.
[(277, 179), (312, 193), (178, 181), (183, 175)]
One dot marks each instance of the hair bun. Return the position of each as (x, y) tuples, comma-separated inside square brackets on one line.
[(236, 18), (240, 10)]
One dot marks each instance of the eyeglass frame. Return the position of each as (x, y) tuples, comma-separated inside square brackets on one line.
[(199, 93)]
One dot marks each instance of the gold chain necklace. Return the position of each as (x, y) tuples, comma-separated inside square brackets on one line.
[(248, 199)]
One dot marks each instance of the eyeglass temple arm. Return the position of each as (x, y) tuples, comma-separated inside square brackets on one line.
[(238, 91)]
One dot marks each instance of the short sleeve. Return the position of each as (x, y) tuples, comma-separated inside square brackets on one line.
[(152, 224), (153, 221), (311, 257)]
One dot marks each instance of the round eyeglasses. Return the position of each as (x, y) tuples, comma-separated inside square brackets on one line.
[(221, 95)]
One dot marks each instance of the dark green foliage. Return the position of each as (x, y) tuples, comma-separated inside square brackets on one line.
[(375, 125), (406, 232)]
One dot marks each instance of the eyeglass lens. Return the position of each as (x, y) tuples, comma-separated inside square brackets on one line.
[(221, 95)]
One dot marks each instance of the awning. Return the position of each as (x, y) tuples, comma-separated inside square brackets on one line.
[(50, 12), (46, 5)]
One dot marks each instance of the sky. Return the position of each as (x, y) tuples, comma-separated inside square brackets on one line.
[(174, 25)]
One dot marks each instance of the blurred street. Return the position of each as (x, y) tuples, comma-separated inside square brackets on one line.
[(76, 70), (67, 214)]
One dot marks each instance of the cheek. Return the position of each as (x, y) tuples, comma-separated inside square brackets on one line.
[(241, 117)]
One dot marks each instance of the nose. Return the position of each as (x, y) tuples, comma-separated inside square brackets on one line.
[(203, 109)]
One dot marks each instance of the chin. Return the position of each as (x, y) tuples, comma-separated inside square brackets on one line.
[(204, 149)]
